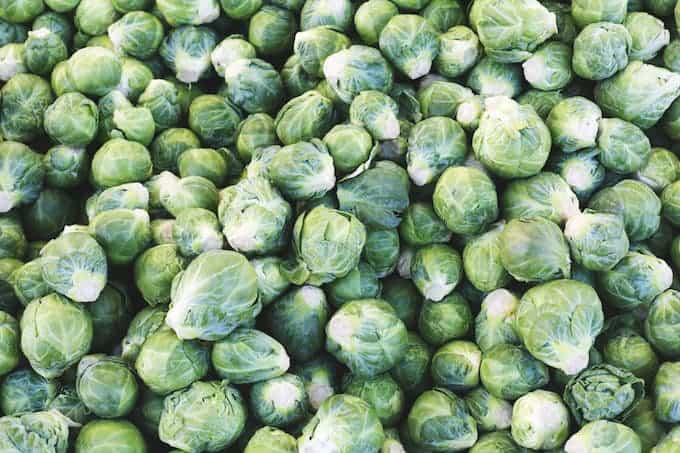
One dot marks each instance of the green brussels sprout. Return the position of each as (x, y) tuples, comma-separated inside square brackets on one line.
[(492, 78), (24, 100), (92, 17), (239, 9), (444, 14), (62, 341), (494, 323), (145, 322), (137, 33), (188, 12), (597, 241), (421, 226), (231, 49), (626, 95), (441, 98), (496, 442), (254, 216), (21, 12), (459, 51), (436, 270), (167, 363), (544, 195), (603, 436), (279, 401), (508, 371), (371, 17), (411, 44), (587, 12), (50, 213), (574, 123), (549, 68), (271, 30), (668, 443), (206, 416), (271, 440), (603, 392), (440, 421), (106, 386), (670, 203), (161, 98), (660, 170), (205, 162), (511, 141), (107, 106), (214, 295), (648, 34), (69, 404), (110, 314), (12, 237), (295, 80), (449, 319), (21, 175), (511, 31), (12, 60), (661, 323), (534, 250), (307, 116), (542, 101), (382, 250), (643, 422), (56, 23), (255, 131), (8, 300), (72, 120), (455, 365), (120, 161), (320, 376), (581, 170), (540, 420), (482, 261), (412, 371), (37, 431), (123, 233), (665, 392), (315, 45), (24, 391), (349, 146), (270, 280), (635, 281), (434, 144), (253, 85), (361, 283), (43, 50), (542, 315), (624, 148), (490, 413), (28, 282), (381, 392), (178, 194), (134, 78), (134, 124), (601, 50), (186, 52), (377, 112), (196, 231), (169, 145), (9, 345), (154, 271), (351, 337), (94, 71), (12, 32), (101, 435), (128, 196), (316, 13)]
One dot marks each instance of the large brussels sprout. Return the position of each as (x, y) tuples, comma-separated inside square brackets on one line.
[(662, 321), (137, 33), (492, 78), (449, 319), (544, 195), (55, 334), (214, 119), (587, 12), (459, 51), (123, 233), (254, 85), (490, 413), (214, 295), (106, 386), (574, 123), (120, 161), (494, 323), (206, 416), (135, 124), (558, 322), (511, 141), (343, 423), (597, 240), (280, 401), (604, 436), (45, 431), (456, 365), (170, 144), (271, 30), (411, 44), (624, 148), (307, 116), (94, 71), (440, 421), (24, 99), (335, 13), (540, 420), (25, 391), (648, 35), (371, 17), (436, 270), (581, 170), (303, 170), (272, 440), (102, 435), (154, 271), (197, 230), (21, 175), (232, 48), (434, 144), (381, 392), (508, 371), (186, 51), (366, 336), (601, 50)]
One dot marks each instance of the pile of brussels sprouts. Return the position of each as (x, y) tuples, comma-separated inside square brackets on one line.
[(339, 226)]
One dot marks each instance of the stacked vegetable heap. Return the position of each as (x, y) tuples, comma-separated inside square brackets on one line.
[(333, 226)]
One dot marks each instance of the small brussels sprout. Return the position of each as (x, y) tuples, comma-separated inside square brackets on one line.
[(106, 385), (542, 315), (381, 392), (511, 141), (597, 241), (628, 350), (574, 123), (279, 401), (161, 231), (120, 161), (37, 431), (382, 250), (505, 32), (377, 112), (12, 61), (624, 148), (214, 295), (305, 117), (459, 51), (344, 423), (349, 146), (601, 50), (270, 280), (146, 322), (94, 71), (123, 233), (21, 175), (60, 333), (456, 365), (186, 52), (196, 231), (411, 44), (43, 50), (540, 420), (120, 435), (231, 49), (178, 194), (272, 440), (661, 322), (436, 270), (436, 408), (495, 322), (255, 131), (315, 45), (154, 271), (542, 101), (205, 162), (239, 9), (549, 68), (603, 436), (24, 100), (482, 261), (28, 283), (161, 98), (110, 314), (544, 195), (421, 226), (137, 33), (25, 391), (253, 85), (371, 17), (72, 120), (271, 30), (169, 145), (492, 78), (441, 98), (490, 413), (660, 170), (648, 34), (508, 371), (335, 13), (412, 371), (587, 12), (444, 14), (361, 283), (135, 124), (581, 170), (440, 322), (92, 17), (434, 144)]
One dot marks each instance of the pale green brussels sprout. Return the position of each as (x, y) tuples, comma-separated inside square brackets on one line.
[(205, 162), (21, 11), (482, 261), (411, 44), (496, 442), (511, 141), (465, 199), (434, 144), (25, 391), (231, 49), (307, 116), (382, 251), (508, 371), (544, 195), (161, 97), (603, 392), (349, 146), (9, 344), (449, 319), (604, 436), (587, 12), (601, 50), (444, 14), (28, 282), (161, 231), (214, 295), (188, 12), (295, 80), (361, 283), (280, 401), (421, 225), (494, 323), (271, 30), (60, 80), (107, 105), (72, 120), (128, 196), (459, 51), (106, 386), (321, 378), (436, 270), (666, 398), (668, 443), (381, 392), (178, 194), (493, 78), (315, 45), (120, 161), (540, 420), (272, 440), (102, 435), (137, 33), (69, 404), (74, 265), (542, 101), (335, 13), (21, 175), (455, 365), (12, 32), (99, 41), (123, 233), (186, 52), (635, 281), (56, 23), (377, 112), (46, 431), (255, 131), (598, 241), (357, 69), (94, 71), (574, 123), (660, 170), (260, 162), (648, 33), (135, 77), (134, 124), (440, 421), (253, 85), (643, 422), (670, 203), (624, 147), (51, 212), (206, 416), (490, 413), (24, 100), (169, 145), (534, 250), (43, 50), (270, 280), (627, 94), (635, 203), (154, 271), (145, 322), (12, 60), (343, 423), (60, 333), (441, 98), (546, 323), (92, 17), (195, 231), (661, 323), (549, 68), (371, 17), (240, 9)]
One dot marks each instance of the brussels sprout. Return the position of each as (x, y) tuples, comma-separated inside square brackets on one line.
[(442, 98), (205, 162), (21, 175), (496, 442), (100, 435), (411, 44), (456, 365), (440, 322), (648, 35), (434, 410), (444, 14), (270, 280), (12, 61), (170, 144), (9, 346), (542, 101), (72, 120), (24, 100), (381, 392), (508, 371), (643, 422), (123, 233), (94, 71), (12, 32), (110, 314), (145, 323), (349, 146), (214, 295), (624, 148), (50, 213), (120, 161), (670, 203), (195, 231), (436, 270), (315, 45), (361, 283), (253, 85), (540, 420), (272, 440), (495, 322), (137, 33), (37, 431), (255, 131), (492, 78), (336, 14), (489, 412), (574, 123), (161, 98), (25, 391), (56, 23), (544, 195), (271, 30), (587, 12), (549, 68), (92, 17), (421, 226), (106, 385), (433, 145), (660, 170), (412, 371), (188, 12), (661, 322), (43, 50), (320, 376), (603, 436), (371, 17), (161, 231), (459, 51), (178, 194), (597, 241), (69, 404), (344, 423), (665, 392), (186, 51), (307, 116), (511, 140), (601, 50), (279, 401), (377, 112)]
